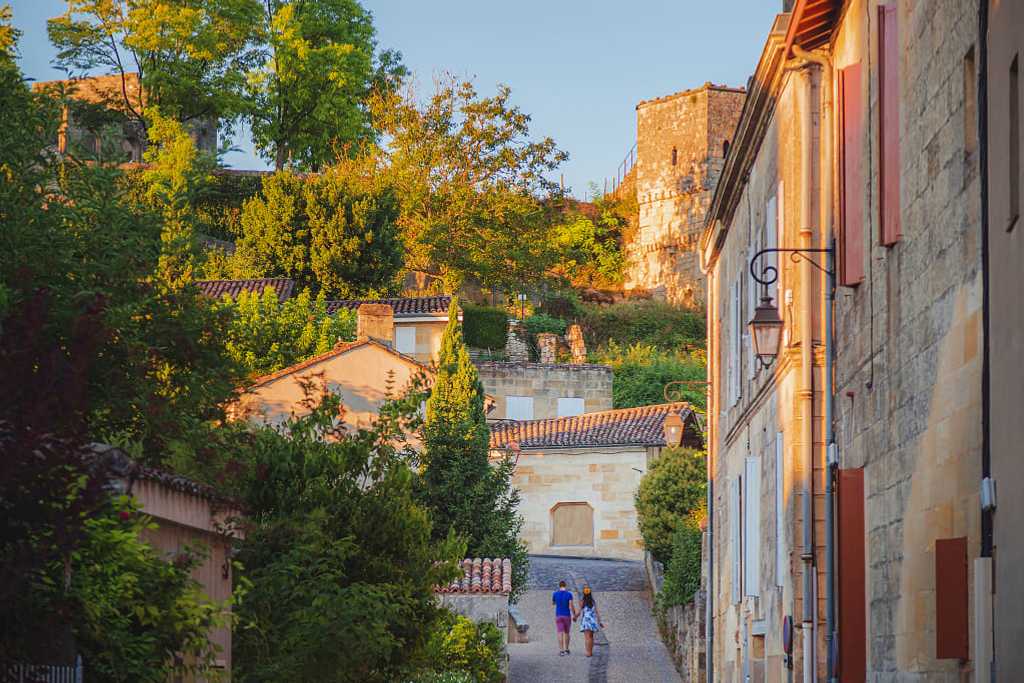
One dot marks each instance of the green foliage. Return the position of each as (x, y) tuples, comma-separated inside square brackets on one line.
[(485, 327), (466, 493), (191, 55), (266, 335), (334, 232), (444, 677), (565, 306), (591, 245), (337, 553), (659, 324), (672, 489), (539, 323), (218, 210), (306, 93), (159, 371), (137, 607), (473, 185), (641, 373), (461, 649), (682, 573)]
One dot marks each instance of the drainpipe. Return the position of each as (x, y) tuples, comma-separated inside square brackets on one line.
[(806, 384), (832, 462)]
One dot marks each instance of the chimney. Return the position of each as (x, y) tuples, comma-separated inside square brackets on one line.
[(376, 321), (547, 344)]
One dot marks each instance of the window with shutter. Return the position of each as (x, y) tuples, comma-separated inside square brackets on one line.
[(752, 292), (852, 584), (851, 256), (889, 124), (780, 512), (752, 527), (737, 340), (734, 538)]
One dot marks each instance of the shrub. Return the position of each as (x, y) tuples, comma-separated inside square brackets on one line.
[(564, 306), (671, 490), (539, 323), (655, 323), (484, 327), (461, 647), (682, 575), (641, 373)]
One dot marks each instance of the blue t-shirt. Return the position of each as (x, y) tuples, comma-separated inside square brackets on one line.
[(562, 598)]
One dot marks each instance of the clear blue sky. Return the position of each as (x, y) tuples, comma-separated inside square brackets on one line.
[(577, 66)]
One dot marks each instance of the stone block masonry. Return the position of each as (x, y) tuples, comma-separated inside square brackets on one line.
[(682, 140), (586, 388)]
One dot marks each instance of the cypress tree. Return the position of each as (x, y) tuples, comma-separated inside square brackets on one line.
[(467, 493)]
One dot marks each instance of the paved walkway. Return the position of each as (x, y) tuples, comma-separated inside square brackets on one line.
[(628, 650)]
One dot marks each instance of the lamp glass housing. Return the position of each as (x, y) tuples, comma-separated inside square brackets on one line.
[(766, 331)]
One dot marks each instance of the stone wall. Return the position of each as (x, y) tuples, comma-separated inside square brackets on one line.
[(679, 157), (908, 337), (545, 384), (604, 478)]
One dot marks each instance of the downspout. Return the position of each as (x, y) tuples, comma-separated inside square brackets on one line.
[(831, 461), (806, 386), (709, 602)]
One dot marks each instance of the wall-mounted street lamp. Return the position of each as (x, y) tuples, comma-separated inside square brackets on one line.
[(766, 325)]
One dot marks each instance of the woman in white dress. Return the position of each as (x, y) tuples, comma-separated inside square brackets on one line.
[(590, 620)]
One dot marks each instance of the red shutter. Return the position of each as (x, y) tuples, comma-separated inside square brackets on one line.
[(851, 257), (889, 128), (852, 579), (951, 640)]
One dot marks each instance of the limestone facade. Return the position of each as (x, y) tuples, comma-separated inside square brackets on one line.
[(680, 150), (545, 390), (874, 142)]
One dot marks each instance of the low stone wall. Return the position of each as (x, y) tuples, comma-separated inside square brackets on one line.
[(682, 628)]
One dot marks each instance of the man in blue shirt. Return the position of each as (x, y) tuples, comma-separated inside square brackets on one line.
[(565, 611)]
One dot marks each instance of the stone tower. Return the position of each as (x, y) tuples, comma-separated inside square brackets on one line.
[(682, 140)]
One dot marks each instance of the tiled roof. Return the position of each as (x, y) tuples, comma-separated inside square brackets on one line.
[(641, 426), (339, 348), (402, 306), (215, 289), (482, 576)]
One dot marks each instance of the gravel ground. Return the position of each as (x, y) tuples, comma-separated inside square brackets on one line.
[(629, 650)]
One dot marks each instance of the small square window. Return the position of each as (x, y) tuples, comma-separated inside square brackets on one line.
[(405, 339), (519, 407), (567, 407)]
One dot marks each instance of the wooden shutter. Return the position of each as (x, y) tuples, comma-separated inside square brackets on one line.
[(951, 639), (752, 528), (737, 341), (889, 124), (734, 538), (851, 257), (852, 580), (780, 511)]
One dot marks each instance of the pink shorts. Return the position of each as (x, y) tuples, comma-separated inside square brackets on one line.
[(563, 624)]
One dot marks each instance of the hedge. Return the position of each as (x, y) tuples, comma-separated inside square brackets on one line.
[(484, 327)]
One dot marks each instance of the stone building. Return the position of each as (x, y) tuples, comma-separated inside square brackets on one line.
[(578, 476), (846, 478), (682, 140), (102, 119), (419, 322), (537, 391)]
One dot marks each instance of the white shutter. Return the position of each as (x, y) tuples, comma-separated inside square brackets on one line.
[(568, 407), (734, 537), (780, 511), (752, 293), (737, 343), (778, 239), (405, 339), (519, 407), (752, 528)]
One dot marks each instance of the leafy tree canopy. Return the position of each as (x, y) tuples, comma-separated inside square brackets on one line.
[(306, 95), (334, 232), (673, 487), (476, 202)]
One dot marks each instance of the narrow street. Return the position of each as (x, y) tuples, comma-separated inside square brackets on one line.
[(629, 648)]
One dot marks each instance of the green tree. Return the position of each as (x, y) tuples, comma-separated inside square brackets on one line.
[(476, 202), (307, 94), (334, 232), (266, 335), (466, 493), (190, 55), (683, 570), (641, 372), (338, 553), (591, 244), (673, 487)]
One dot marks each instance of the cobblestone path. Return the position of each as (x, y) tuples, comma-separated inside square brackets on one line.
[(628, 650)]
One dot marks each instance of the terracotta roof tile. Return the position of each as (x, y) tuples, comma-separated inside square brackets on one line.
[(216, 289), (641, 426), (402, 306), (482, 576)]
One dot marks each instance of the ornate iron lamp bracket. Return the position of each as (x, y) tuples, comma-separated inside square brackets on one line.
[(770, 274), (674, 390)]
